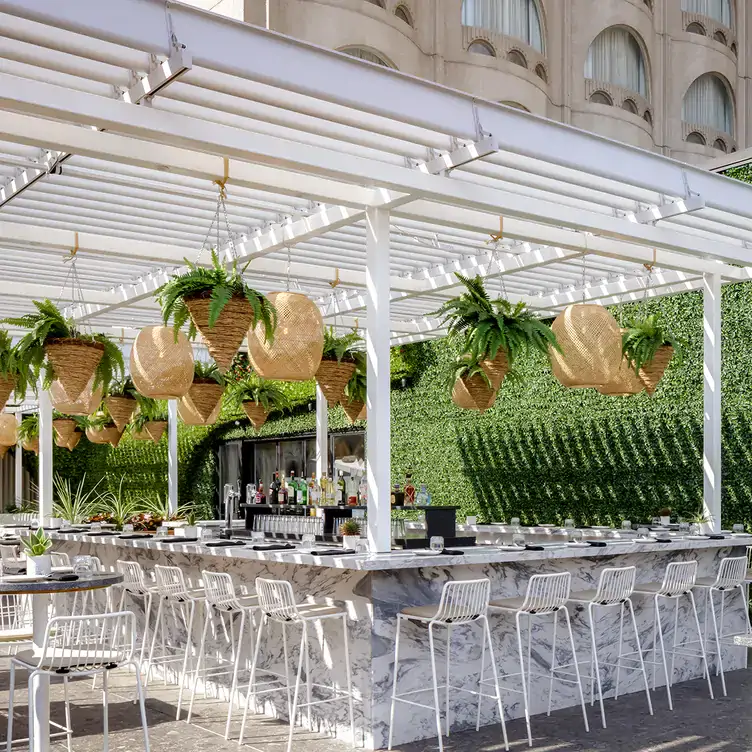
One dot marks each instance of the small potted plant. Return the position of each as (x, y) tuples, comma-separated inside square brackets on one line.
[(665, 515), (190, 529), (350, 532), (36, 546), (258, 397), (337, 364)]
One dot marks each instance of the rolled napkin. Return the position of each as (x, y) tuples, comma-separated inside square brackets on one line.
[(100, 533), (716, 536), (177, 539), (71, 531), (597, 543), (134, 536), (273, 547), (62, 576), (665, 540), (533, 547), (331, 552), (224, 543)]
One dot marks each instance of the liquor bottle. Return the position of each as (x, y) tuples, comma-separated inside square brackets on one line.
[(250, 493), (341, 490), (422, 498), (274, 489), (303, 492), (292, 495), (313, 490), (282, 493), (260, 495), (363, 491), (409, 489), (332, 492), (352, 491)]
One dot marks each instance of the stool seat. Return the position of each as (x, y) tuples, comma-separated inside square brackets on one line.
[(510, 604), (72, 660), (423, 613), (651, 588)]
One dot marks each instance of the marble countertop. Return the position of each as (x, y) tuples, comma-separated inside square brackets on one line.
[(411, 559)]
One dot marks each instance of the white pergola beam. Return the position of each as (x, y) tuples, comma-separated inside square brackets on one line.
[(462, 156), (671, 209), (711, 456), (161, 75)]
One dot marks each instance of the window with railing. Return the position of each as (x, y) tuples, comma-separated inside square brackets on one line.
[(514, 18), (363, 54), (615, 57), (708, 103), (721, 11)]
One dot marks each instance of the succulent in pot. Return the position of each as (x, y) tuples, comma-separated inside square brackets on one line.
[(36, 546), (338, 363), (217, 303), (258, 397), (350, 532), (55, 348), (665, 515)]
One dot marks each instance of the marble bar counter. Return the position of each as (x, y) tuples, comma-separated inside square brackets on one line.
[(375, 587)]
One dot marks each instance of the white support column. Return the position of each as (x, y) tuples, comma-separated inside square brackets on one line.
[(18, 467), (378, 434), (711, 460), (172, 455), (322, 434), (45, 455)]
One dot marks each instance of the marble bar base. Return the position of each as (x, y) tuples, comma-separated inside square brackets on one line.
[(373, 598)]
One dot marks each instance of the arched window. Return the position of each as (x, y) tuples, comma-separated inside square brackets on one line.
[(630, 106), (708, 102), (516, 57), (363, 54), (380, 3), (479, 47), (648, 117), (719, 143), (403, 14), (696, 138), (695, 28), (719, 36), (600, 97), (718, 10), (615, 56), (540, 71), (516, 105), (514, 18)]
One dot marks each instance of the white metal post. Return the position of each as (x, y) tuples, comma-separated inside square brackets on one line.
[(378, 433), (18, 467), (172, 455), (45, 455), (322, 434), (711, 460)]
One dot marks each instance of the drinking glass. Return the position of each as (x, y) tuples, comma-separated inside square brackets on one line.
[(161, 531), (208, 533), (626, 525), (738, 528), (83, 566), (95, 526), (568, 524), (128, 527), (308, 540), (515, 522), (656, 521), (694, 529), (258, 536), (437, 543), (576, 536), (642, 532), (361, 546), (518, 539), (683, 527)]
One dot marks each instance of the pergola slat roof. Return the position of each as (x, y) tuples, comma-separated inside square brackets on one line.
[(309, 138)]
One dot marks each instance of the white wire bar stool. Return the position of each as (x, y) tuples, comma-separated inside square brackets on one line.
[(277, 603), (76, 646), (222, 600), (731, 577), (546, 595), (12, 561), (615, 588), (15, 621), (172, 591), (462, 603), (678, 582), (135, 586)]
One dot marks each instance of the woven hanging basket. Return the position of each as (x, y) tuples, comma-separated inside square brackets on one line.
[(625, 384), (3, 451), (352, 409), (121, 410), (141, 435), (32, 445), (64, 428), (161, 368), (295, 353), (473, 393), (74, 439), (8, 429), (73, 363), (87, 403), (155, 429), (256, 413), (652, 373), (496, 369), (223, 340), (115, 435), (105, 435), (590, 343), (6, 388), (332, 376), (203, 399), (189, 416), (363, 414)]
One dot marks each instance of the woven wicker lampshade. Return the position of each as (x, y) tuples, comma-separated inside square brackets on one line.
[(74, 439), (590, 343), (64, 428), (121, 410), (295, 354), (473, 393), (652, 373), (105, 435), (203, 399), (8, 426), (223, 339), (332, 376), (73, 362), (625, 383), (87, 402), (256, 413), (161, 368)]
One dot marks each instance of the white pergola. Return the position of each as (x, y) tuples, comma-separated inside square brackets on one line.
[(363, 187)]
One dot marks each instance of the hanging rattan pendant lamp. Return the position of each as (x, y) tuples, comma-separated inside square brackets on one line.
[(295, 353), (86, 403), (590, 342), (8, 429), (332, 376), (161, 366), (73, 362)]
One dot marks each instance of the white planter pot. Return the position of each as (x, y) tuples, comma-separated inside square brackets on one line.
[(53, 523), (39, 565), (350, 542), (665, 521), (187, 531)]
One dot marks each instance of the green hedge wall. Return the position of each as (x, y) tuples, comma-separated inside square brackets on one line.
[(542, 453)]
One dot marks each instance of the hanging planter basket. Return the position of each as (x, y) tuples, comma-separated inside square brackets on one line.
[(142, 435), (121, 410), (3, 451), (590, 342), (626, 382), (73, 362), (108, 434), (295, 353), (651, 373), (189, 416), (32, 445), (155, 429), (496, 369), (8, 430), (203, 399), (256, 413), (6, 389), (64, 428), (223, 340), (363, 414), (473, 393), (87, 402), (332, 376), (160, 367), (74, 439), (353, 409)]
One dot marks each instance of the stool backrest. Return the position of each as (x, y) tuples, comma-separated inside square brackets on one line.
[(732, 572), (219, 589), (88, 643), (547, 592), (15, 615), (10, 554), (615, 585), (749, 557), (679, 578), (59, 559), (276, 599), (170, 580), (463, 601), (134, 580)]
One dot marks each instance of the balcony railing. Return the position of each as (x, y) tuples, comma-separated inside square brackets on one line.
[(503, 45)]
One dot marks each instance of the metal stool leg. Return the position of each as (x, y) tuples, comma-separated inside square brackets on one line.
[(663, 654), (523, 678), (252, 678), (482, 672), (446, 691), (10, 706), (349, 677), (199, 661), (432, 647), (553, 666), (487, 637), (186, 658), (394, 683), (639, 653), (702, 643), (621, 649), (596, 664), (576, 667), (235, 669), (296, 695)]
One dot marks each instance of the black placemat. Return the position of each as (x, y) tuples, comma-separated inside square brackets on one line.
[(177, 539), (273, 547), (533, 547), (224, 543), (134, 536), (597, 543), (100, 533), (332, 552), (63, 577)]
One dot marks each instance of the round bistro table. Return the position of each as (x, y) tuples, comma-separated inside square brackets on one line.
[(40, 592)]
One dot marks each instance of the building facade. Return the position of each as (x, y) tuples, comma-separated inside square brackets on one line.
[(667, 75)]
